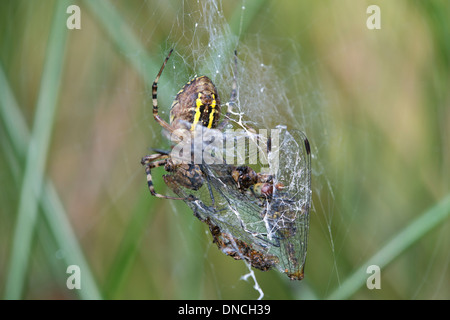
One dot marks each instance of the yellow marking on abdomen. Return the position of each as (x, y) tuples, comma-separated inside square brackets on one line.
[(198, 104), (211, 115)]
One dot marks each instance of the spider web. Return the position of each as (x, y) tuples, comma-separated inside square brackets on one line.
[(204, 45)]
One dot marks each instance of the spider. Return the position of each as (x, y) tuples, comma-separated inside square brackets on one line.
[(197, 103)]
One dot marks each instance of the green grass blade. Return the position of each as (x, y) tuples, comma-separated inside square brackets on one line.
[(51, 205), (412, 233), (37, 155)]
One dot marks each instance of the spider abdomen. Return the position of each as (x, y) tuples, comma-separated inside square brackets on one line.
[(196, 103)]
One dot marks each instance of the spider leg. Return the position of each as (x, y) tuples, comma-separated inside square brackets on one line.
[(163, 123), (233, 96), (151, 162), (157, 156)]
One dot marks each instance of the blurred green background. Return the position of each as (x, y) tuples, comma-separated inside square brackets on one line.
[(76, 120)]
